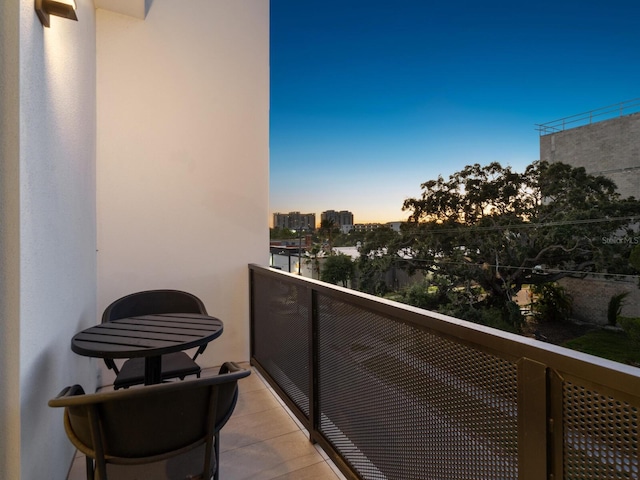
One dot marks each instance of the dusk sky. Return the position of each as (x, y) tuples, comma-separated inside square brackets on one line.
[(371, 98)]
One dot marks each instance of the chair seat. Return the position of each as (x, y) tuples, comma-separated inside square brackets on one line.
[(174, 365), (158, 426), (182, 466)]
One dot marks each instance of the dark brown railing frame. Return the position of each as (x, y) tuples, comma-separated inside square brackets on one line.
[(563, 397)]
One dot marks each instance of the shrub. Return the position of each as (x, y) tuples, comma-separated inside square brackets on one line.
[(513, 315), (631, 326), (507, 319), (615, 307), (634, 258), (552, 302), (424, 295)]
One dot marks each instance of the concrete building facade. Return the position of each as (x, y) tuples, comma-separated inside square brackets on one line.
[(610, 148)]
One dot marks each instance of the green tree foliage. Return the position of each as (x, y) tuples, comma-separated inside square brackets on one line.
[(631, 326), (552, 303), (499, 229), (506, 318), (338, 269), (312, 257), (277, 233), (372, 274), (374, 263), (327, 231), (351, 239), (429, 294), (634, 258)]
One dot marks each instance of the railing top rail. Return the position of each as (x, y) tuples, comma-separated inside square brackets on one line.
[(612, 374), (620, 109)]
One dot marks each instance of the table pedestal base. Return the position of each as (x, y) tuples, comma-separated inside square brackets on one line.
[(153, 370)]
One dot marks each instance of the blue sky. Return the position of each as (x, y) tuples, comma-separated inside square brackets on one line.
[(371, 98)]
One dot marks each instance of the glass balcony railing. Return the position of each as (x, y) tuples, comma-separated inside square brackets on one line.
[(394, 392)]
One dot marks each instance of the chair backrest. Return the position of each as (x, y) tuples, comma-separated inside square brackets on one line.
[(153, 301), (149, 424)]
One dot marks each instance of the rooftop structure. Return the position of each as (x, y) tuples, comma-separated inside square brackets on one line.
[(605, 142)]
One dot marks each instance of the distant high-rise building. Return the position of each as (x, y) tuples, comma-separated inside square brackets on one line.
[(340, 219), (295, 220)]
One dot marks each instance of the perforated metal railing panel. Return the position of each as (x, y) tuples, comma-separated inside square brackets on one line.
[(600, 435), (401, 395), (401, 403), (282, 328)]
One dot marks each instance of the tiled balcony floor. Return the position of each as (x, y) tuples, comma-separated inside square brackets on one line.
[(261, 441)]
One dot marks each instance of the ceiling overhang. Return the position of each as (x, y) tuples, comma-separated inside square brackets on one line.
[(131, 8)]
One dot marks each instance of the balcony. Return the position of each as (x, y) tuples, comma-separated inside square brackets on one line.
[(394, 392), (346, 385)]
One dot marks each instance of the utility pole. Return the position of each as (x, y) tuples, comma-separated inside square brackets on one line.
[(299, 247)]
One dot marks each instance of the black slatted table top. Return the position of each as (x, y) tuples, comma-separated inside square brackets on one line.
[(147, 335)]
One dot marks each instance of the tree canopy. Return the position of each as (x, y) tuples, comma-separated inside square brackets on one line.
[(337, 269), (499, 229)]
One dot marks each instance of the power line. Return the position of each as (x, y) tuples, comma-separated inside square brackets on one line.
[(528, 225), (532, 269)]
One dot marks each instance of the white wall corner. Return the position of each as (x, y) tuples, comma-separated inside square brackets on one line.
[(131, 8)]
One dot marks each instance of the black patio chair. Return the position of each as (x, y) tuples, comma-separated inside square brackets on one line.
[(174, 365), (159, 426)]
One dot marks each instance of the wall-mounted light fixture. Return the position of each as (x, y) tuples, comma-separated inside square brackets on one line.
[(59, 8)]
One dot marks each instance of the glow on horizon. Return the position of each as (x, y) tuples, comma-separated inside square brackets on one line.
[(375, 195), (369, 99)]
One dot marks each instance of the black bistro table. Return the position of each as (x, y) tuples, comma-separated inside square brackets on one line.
[(148, 336)]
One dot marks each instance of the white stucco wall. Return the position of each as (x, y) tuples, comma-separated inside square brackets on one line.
[(182, 156), (49, 288), (9, 241)]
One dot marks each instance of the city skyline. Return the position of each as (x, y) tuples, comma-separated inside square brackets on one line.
[(338, 217), (370, 99)]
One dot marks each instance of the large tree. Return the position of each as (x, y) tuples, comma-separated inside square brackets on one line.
[(498, 229)]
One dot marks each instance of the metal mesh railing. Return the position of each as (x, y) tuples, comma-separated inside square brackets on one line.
[(282, 334), (600, 435), (404, 403), (392, 392)]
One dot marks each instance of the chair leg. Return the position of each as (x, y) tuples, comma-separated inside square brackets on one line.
[(90, 470), (216, 450)]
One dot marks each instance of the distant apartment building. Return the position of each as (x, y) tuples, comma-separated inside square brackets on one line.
[(395, 226), (295, 221), (367, 227), (341, 219), (602, 145)]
